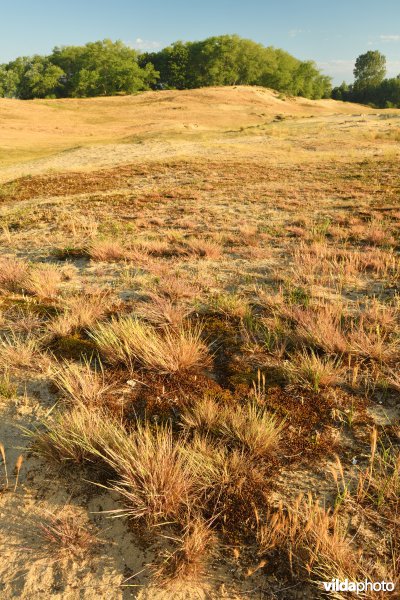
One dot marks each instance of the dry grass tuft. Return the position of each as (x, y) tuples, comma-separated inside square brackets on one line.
[(13, 273), (107, 251), (191, 550), (44, 281), (230, 305), (204, 416), (177, 288), (76, 435), (8, 389), (313, 540), (128, 340), (81, 312), (160, 310), (321, 328), (155, 479), (249, 427), (62, 537), (81, 383), (308, 370), (253, 429), (205, 248), (373, 342), (378, 483), (17, 351)]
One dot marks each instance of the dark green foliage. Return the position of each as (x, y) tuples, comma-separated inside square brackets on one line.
[(370, 69), (103, 68), (231, 60), (107, 68), (369, 86)]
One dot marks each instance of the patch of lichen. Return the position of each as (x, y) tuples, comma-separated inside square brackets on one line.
[(73, 347), (29, 305)]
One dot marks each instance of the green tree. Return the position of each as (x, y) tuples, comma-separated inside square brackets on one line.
[(108, 68), (9, 80), (370, 69), (232, 60), (40, 79), (341, 92), (102, 68)]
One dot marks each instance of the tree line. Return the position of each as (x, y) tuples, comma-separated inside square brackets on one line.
[(231, 60), (103, 68), (106, 68), (370, 85)]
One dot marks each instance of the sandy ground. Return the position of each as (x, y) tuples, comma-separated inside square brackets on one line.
[(54, 134)]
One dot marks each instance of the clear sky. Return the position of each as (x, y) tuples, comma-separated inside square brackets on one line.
[(333, 33)]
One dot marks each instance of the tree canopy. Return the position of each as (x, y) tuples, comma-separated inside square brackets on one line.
[(102, 68), (370, 69), (232, 60), (105, 68), (370, 85)]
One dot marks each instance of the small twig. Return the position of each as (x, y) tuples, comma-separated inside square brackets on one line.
[(18, 465), (3, 454)]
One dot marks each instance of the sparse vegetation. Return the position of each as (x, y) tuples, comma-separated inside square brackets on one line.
[(62, 537), (195, 328)]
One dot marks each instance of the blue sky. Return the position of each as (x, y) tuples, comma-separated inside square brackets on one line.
[(331, 33)]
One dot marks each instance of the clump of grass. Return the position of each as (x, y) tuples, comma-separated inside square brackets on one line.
[(310, 371), (230, 305), (62, 536), (321, 328), (248, 234), (76, 435), (252, 428), (148, 468), (248, 427), (44, 281), (13, 273), (204, 416), (205, 248), (81, 311), (17, 351), (152, 248), (68, 252), (375, 485), (8, 389), (190, 553), (22, 320), (168, 350), (154, 477), (160, 310), (107, 251), (378, 484), (374, 342), (176, 288), (82, 383), (313, 541), (297, 295), (228, 476)]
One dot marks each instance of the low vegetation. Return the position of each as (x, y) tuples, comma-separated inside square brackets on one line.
[(207, 348)]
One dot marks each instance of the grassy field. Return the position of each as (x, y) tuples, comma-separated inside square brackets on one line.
[(200, 342)]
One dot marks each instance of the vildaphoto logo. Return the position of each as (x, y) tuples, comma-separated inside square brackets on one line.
[(358, 586)]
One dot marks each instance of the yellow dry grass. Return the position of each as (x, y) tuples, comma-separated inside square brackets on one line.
[(38, 135)]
